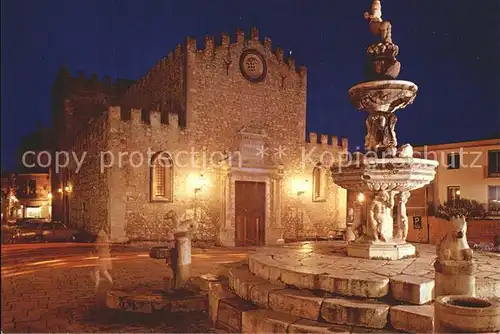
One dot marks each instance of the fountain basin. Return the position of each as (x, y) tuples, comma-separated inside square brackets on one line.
[(390, 174), (383, 96), (466, 314)]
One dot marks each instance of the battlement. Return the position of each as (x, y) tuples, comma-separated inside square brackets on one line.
[(210, 48), (92, 82), (150, 118), (328, 141)]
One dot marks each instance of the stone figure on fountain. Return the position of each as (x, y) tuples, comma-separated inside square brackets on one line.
[(381, 134), (380, 216), (402, 217)]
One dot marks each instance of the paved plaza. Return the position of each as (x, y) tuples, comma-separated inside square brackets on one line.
[(47, 287)]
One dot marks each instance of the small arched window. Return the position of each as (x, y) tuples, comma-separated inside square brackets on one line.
[(319, 183), (161, 177)]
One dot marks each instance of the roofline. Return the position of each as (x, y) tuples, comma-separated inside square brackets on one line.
[(464, 144)]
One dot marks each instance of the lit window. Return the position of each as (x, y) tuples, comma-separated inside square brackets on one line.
[(494, 163), (319, 183), (453, 161), (494, 199), (161, 177), (453, 193)]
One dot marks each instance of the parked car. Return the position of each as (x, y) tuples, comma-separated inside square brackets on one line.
[(46, 231)]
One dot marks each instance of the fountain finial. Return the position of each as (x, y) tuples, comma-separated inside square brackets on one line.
[(381, 63), (376, 12), (377, 25)]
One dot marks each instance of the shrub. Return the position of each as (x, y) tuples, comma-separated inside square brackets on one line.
[(461, 207)]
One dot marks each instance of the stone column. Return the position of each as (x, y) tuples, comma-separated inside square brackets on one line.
[(277, 205), (454, 278), (226, 233), (181, 259)]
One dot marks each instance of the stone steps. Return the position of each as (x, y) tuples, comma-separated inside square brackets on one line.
[(233, 314), (304, 304)]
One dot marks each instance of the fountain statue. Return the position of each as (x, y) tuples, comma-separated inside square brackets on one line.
[(385, 174)]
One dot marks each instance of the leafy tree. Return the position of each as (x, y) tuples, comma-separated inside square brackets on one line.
[(461, 207)]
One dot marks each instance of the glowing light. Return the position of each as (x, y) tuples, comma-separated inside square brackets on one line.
[(457, 192), (59, 190), (43, 262), (13, 198), (361, 197), (300, 186), (197, 182), (49, 196)]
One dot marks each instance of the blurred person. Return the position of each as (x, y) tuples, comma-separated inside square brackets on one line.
[(103, 265)]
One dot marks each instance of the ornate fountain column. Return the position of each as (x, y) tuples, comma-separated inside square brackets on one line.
[(384, 171)]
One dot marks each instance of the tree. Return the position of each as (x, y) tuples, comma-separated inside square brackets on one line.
[(461, 207)]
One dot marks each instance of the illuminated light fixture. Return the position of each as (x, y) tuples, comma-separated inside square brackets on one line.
[(49, 196), (301, 186), (457, 192), (59, 190), (361, 197), (199, 183)]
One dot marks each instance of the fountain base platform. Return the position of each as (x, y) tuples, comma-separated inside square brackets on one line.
[(381, 251)]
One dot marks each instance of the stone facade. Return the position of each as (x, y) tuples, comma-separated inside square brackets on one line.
[(213, 110)]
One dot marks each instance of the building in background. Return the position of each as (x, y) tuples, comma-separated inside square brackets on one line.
[(26, 195), (33, 192), (241, 106), (466, 170)]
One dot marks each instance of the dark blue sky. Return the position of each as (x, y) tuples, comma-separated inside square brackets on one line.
[(449, 48)]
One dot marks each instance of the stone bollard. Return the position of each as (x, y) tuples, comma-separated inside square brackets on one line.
[(454, 278), (466, 314), (181, 259), (454, 267)]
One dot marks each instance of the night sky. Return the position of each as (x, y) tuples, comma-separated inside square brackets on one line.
[(449, 48)]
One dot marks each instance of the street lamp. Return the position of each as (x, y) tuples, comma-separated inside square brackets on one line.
[(199, 184)]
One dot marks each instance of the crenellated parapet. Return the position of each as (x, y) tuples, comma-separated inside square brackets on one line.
[(228, 49), (174, 58), (81, 82), (142, 117), (328, 141)]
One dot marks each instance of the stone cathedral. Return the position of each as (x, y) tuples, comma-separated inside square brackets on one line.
[(217, 134)]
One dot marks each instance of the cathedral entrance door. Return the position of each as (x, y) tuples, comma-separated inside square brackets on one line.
[(250, 213)]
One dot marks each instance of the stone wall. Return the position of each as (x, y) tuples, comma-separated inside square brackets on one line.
[(137, 140), (89, 196)]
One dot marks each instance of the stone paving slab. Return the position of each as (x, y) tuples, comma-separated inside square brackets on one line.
[(412, 289), (413, 318)]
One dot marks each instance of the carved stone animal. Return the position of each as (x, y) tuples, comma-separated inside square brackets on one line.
[(453, 245), (180, 226), (405, 151)]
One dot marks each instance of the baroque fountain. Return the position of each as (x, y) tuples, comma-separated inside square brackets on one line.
[(385, 174)]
